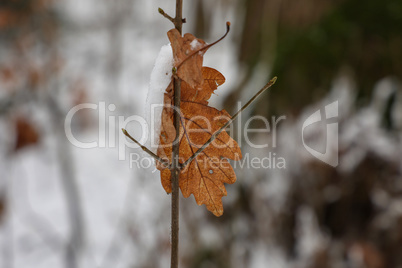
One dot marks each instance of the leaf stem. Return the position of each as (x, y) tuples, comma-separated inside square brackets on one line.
[(207, 46), (213, 136)]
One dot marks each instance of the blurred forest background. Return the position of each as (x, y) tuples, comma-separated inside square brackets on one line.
[(62, 206)]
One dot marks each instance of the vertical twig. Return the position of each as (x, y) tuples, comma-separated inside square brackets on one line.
[(75, 241), (174, 260), (178, 20)]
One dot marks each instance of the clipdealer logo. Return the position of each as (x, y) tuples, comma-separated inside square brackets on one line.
[(107, 137), (330, 117)]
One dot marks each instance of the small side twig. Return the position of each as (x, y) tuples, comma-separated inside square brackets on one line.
[(162, 12), (213, 136), (157, 158)]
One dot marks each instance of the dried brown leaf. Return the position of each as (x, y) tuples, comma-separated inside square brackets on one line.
[(205, 176), (190, 70)]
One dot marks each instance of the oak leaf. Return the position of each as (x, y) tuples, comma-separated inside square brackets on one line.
[(190, 71), (204, 177)]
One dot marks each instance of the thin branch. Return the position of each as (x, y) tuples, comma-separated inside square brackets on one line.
[(175, 172), (76, 238), (157, 158), (178, 20), (213, 136), (162, 12), (207, 46)]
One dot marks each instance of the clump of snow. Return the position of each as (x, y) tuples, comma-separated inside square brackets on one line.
[(160, 78), (195, 44)]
